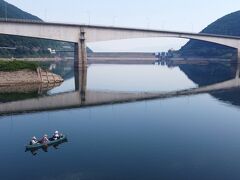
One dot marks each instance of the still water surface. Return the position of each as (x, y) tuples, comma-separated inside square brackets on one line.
[(190, 137)]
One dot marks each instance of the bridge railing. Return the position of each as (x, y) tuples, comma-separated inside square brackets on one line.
[(20, 20)]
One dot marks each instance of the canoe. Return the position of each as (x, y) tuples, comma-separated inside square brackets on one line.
[(50, 143)]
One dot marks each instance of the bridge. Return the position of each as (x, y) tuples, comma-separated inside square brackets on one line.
[(82, 34)]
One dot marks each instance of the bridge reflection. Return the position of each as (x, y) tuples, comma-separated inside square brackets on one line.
[(29, 88), (82, 97)]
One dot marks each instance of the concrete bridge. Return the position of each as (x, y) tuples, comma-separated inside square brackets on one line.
[(82, 34), (83, 98)]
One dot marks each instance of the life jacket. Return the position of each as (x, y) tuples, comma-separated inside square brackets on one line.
[(56, 136), (33, 142), (44, 140)]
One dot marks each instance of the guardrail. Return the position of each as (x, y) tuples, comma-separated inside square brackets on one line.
[(20, 20)]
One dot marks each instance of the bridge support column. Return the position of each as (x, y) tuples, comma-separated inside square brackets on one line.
[(81, 82), (81, 51), (238, 56), (81, 65), (237, 72)]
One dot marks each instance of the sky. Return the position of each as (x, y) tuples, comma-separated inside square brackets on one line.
[(176, 15)]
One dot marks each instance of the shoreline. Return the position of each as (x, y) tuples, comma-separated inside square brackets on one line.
[(32, 59), (26, 76)]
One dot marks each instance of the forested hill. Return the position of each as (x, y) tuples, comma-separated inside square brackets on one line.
[(27, 47), (227, 25), (12, 12)]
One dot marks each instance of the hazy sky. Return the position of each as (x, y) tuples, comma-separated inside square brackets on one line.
[(182, 15)]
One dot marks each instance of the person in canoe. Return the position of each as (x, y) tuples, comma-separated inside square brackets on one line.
[(33, 141), (45, 139), (56, 135)]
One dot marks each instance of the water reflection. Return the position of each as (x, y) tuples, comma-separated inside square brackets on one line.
[(215, 79), (160, 139), (25, 91), (137, 78), (214, 73)]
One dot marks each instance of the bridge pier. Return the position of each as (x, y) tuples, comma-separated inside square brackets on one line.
[(80, 51), (80, 63), (237, 72), (81, 82), (238, 55)]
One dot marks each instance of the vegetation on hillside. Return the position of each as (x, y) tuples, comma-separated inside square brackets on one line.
[(227, 25), (17, 65), (25, 47), (9, 11)]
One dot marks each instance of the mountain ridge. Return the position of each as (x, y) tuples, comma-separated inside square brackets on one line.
[(10, 11), (25, 46), (226, 25)]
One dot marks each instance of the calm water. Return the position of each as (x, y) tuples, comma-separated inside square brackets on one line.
[(189, 137)]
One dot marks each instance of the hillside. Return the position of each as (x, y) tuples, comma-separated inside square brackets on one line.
[(25, 47), (12, 12), (227, 25)]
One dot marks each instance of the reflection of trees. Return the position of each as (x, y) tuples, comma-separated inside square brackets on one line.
[(230, 96), (25, 91), (6, 97), (214, 73), (212, 79), (209, 74)]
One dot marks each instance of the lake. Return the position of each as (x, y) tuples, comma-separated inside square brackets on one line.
[(193, 136)]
